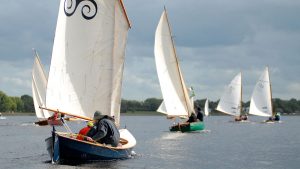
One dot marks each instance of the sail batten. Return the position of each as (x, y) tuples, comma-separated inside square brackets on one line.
[(174, 91), (261, 99), (230, 102), (88, 58)]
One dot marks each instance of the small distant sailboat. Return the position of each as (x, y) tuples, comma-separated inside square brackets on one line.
[(261, 99), (86, 75), (206, 107), (2, 117), (231, 100), (39, 85), (176, 100)]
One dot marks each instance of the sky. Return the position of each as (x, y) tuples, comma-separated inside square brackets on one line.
[(214, 39)]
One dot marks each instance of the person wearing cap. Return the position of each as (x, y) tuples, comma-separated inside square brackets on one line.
[(106, 132), (83, 133)]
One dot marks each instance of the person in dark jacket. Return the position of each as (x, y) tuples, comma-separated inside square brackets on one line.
[(277, 117), (105, 130), (199, 114), (192, 118)]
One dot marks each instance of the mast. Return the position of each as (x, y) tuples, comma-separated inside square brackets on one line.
[(270, 92), (177, 63), (241, 104)]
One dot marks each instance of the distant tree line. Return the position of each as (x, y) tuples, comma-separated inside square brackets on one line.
[(150, 104), (25, 104), (290, 107), (16, 104)]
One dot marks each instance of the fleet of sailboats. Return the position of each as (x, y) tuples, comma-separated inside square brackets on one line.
[(176, 100), (261, 99), (86, 75)]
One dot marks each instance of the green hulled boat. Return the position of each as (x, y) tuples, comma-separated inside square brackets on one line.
[(188, 127), (177, 102)]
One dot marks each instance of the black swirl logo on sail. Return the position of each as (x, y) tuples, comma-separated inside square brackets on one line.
[(89, 8)]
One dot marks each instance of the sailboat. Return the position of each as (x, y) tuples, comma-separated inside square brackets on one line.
[(176, 100), (206, 108), (231, 100), (261, 99), (2, 117), (38, 85), (86, 75)]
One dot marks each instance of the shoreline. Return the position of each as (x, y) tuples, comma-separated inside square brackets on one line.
[(137, 113)]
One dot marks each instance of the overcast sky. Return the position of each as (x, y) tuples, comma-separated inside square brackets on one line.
[(215, 40)]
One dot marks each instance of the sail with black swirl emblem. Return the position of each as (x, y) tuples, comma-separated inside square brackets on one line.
[(88, 57), (88, 8)]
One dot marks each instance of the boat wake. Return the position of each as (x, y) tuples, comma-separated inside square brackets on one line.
[(173, 136), (204, 131), (28, 124)]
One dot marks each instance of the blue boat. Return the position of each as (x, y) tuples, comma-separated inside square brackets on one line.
[(64, 147)]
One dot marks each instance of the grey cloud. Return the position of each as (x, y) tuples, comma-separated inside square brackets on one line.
[(214, 40)]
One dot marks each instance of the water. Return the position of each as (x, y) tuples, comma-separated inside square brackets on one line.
[(223, 145)]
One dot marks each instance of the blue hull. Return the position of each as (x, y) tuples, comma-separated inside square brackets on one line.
[(72, 150)]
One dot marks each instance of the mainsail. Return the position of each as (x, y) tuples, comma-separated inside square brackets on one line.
[(88, 58), (175, 95), (39, 84), (261, 100), (230, 102)]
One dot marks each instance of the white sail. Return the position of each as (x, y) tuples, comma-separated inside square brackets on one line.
[(162, 108), (88, 58), (261, 100), (174, 91), (230, 102), (39, 84), (206, 108)]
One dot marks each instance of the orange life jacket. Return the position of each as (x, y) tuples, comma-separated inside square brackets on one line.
[(83, 132)]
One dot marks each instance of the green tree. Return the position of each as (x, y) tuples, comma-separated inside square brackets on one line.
[(18, 103), (151, 104), (124, 106), (28, 103), (5, 102)]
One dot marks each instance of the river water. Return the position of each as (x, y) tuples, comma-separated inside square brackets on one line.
[(224, 145)]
